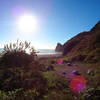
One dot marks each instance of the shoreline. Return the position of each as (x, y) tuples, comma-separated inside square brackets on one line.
[(49, 55)]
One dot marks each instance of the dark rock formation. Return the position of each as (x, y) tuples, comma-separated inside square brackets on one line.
[(59, 47)]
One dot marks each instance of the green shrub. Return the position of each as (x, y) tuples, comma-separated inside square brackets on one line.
[(58, 95), (16, 59), (15, 54), (57, 82), (11, 79), (93, 56)]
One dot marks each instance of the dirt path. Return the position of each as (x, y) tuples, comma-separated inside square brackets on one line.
[(66, 70)]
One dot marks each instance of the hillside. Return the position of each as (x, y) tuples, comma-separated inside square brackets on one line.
[(85, 46)]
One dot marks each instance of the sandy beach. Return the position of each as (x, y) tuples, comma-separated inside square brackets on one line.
[(50, 55)]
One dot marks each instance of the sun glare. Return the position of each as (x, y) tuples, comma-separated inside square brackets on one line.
[(27, 23)]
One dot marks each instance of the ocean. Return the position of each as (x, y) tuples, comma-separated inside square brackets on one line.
[(46, 51), (42, 51), (1, 49)]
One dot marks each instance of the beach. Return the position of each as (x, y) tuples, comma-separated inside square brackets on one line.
[(50, 55)]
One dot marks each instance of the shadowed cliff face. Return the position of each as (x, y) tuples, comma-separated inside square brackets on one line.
[(85, 45), (59, 47)]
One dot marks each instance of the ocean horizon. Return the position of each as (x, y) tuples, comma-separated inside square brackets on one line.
[(42, 51)]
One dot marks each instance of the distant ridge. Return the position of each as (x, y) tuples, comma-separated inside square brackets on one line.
[(85, 46)]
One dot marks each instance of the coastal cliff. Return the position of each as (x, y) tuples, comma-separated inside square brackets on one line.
[(85, 46)]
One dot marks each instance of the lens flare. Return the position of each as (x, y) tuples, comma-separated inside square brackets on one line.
[(78, 83), (60, 61)]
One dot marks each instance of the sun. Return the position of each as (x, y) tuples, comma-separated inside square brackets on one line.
[(27, 23)]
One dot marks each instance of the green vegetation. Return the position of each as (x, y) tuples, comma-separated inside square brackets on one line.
[(93, 56), (15, 54), (24, 77)]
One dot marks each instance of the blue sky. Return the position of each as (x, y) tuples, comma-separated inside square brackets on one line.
[(58, 20)]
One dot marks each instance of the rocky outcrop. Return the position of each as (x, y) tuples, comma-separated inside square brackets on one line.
[(59, 47)]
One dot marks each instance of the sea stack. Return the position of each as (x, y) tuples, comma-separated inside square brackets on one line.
[(59, 47)]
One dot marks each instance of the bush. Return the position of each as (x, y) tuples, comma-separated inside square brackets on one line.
[(93, 56), (11, 79), (16, 59), (55, 81), (15, 55)]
